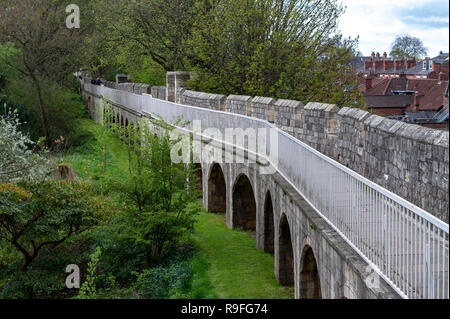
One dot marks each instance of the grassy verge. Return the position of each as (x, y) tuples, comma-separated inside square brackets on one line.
[(88, 160), (236, 268)]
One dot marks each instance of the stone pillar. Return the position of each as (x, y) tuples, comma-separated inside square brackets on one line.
[(174, 81), (122, 78)]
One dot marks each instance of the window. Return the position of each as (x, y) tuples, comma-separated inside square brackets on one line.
[(424, 65)]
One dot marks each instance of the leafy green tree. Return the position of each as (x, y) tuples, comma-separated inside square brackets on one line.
[(162, 195), (406, 46), (44, 214), (285, 49), (130, 32), (39, 48)]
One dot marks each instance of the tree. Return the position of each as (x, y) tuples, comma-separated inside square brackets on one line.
[(163, 196), (132, 30), (17, 159), (406, 46), (44, 214), (39, 46), (279, 48)]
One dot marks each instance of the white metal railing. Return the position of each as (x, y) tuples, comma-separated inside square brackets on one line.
[(405, 245)]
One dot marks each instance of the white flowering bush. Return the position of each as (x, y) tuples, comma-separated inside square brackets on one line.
[(17, 159)]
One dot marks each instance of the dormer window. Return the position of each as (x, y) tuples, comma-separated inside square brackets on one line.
[(424, 65)]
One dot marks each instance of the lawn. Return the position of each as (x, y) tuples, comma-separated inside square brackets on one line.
[(88, 160), (236, 268), (227, 264)]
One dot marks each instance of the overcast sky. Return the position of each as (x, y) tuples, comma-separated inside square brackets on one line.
[(377, 22)]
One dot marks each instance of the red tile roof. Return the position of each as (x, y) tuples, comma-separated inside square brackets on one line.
[(379, 86), (431, 91), (433, 99)]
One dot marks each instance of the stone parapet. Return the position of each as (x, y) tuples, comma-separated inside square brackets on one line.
[(411, 161), (205, 100), (239, 104), (159, 92)]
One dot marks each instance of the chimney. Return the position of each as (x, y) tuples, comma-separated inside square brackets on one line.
[(369, 82), (397, 65), (367, 64), (384, 55), (428, 62), (378, 63), (416, 102), (373, 55), (410, 63), (388, 64), (436, 67)]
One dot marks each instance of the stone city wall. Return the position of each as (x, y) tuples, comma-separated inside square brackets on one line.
[(411, 161)]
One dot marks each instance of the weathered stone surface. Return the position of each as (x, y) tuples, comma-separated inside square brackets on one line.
[(206, 100), (307, 251), (240, 104), (159, 92), (396, 155)]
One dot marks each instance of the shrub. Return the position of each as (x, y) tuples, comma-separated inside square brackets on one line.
[(44, 214), (164, 282), (162, 194), (17, 160)]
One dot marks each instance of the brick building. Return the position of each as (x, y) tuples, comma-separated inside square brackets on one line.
[(412, 100), (384, 67)]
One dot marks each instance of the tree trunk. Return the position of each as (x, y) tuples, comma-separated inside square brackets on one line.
[(44, 118), (28, 260)]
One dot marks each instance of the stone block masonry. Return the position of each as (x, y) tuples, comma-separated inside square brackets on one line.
[(263, 108), (409, 160), (206, 100), (308, 252), (286, 113), (159, 92), (239, 104), (174, 81)]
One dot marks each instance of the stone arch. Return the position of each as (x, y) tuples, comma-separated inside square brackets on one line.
[(269, 232), (309, 275), (244, 204), (217, 190), (285, 254), (117, 120)]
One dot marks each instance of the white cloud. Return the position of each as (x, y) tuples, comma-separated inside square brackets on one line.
[(378, 22)]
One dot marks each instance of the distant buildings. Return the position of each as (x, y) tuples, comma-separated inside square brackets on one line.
[(384, 67), (406, 90)]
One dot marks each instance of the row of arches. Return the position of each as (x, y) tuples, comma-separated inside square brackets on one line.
[(126, 130), (244, 216)]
